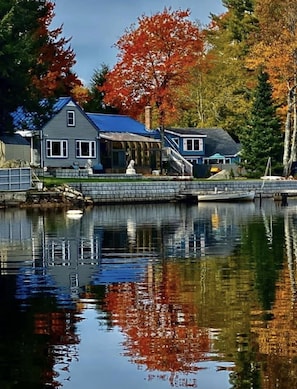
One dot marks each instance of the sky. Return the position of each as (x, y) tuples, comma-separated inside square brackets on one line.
[(94, 26)]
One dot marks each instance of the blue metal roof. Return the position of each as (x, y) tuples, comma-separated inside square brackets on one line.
[(117, 123), (60, 103), (103, 122), (21, 117)]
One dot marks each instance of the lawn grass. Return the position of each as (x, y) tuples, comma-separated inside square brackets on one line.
[(52, 181)]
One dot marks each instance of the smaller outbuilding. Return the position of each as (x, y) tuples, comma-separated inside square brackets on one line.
[(14, 148)]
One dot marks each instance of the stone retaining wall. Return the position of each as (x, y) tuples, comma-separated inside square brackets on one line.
[(159, 190), (129, 192), (154, 191)]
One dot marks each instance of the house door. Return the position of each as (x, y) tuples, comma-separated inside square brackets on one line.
[(118, 159)]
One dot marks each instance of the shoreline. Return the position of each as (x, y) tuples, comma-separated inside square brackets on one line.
[(83, 194)]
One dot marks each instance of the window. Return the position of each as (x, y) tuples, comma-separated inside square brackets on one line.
[(85, 149), (70, 118), (56, 149), (193, 144), (58, 252)]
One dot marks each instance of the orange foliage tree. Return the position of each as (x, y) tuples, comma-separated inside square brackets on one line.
[(275, 49), (154, 59), (55, 59)]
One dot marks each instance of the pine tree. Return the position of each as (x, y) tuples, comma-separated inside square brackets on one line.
[(95, 101), (18, 53), (262, 137), (34, 63)]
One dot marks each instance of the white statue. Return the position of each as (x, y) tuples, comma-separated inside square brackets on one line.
[(88, 166), (130, 169)]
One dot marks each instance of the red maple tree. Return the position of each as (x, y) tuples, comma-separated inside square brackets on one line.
[(56, 58), (154, 59)]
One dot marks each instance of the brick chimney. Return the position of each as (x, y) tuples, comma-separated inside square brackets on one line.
[(148, 117)]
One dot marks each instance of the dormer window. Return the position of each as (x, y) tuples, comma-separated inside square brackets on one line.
[(193, 144), (70, 118)]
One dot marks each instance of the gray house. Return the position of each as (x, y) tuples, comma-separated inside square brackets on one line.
[(69, 138), (72, 138)]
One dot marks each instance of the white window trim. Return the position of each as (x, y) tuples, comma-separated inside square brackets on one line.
[(176, 141), (92, 146), (49, 148), (185, 146), (70, 118)]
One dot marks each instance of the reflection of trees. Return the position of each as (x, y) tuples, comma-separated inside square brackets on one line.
[(265, 255), (185, 313), (33, 340), (238, 306), (261, 253), (277, 333), (162, 332), (58, 327)]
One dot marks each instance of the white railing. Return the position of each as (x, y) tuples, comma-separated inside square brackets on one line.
[(185, 166)]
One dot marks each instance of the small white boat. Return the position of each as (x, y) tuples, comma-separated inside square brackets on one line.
[(74, 213), (227, 196), (272, 178)]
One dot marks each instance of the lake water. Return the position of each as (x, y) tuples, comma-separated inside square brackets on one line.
[(149, 296)]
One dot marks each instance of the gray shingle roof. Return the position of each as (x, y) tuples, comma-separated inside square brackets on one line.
[(15, 139), (217, 140)]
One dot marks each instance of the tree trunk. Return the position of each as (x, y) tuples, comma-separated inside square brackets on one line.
[(293, 136), (287, 139)]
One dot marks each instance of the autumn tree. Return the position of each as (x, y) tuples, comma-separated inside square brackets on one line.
[(56, 59), (154, 59), (262, 137), (275, 48)]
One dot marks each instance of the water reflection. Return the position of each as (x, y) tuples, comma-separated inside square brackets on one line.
[(174, 295)]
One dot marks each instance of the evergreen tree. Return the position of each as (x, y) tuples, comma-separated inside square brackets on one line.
[(262, 137), (95, 102), (33, 62), (18, 53), (241, 19)]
